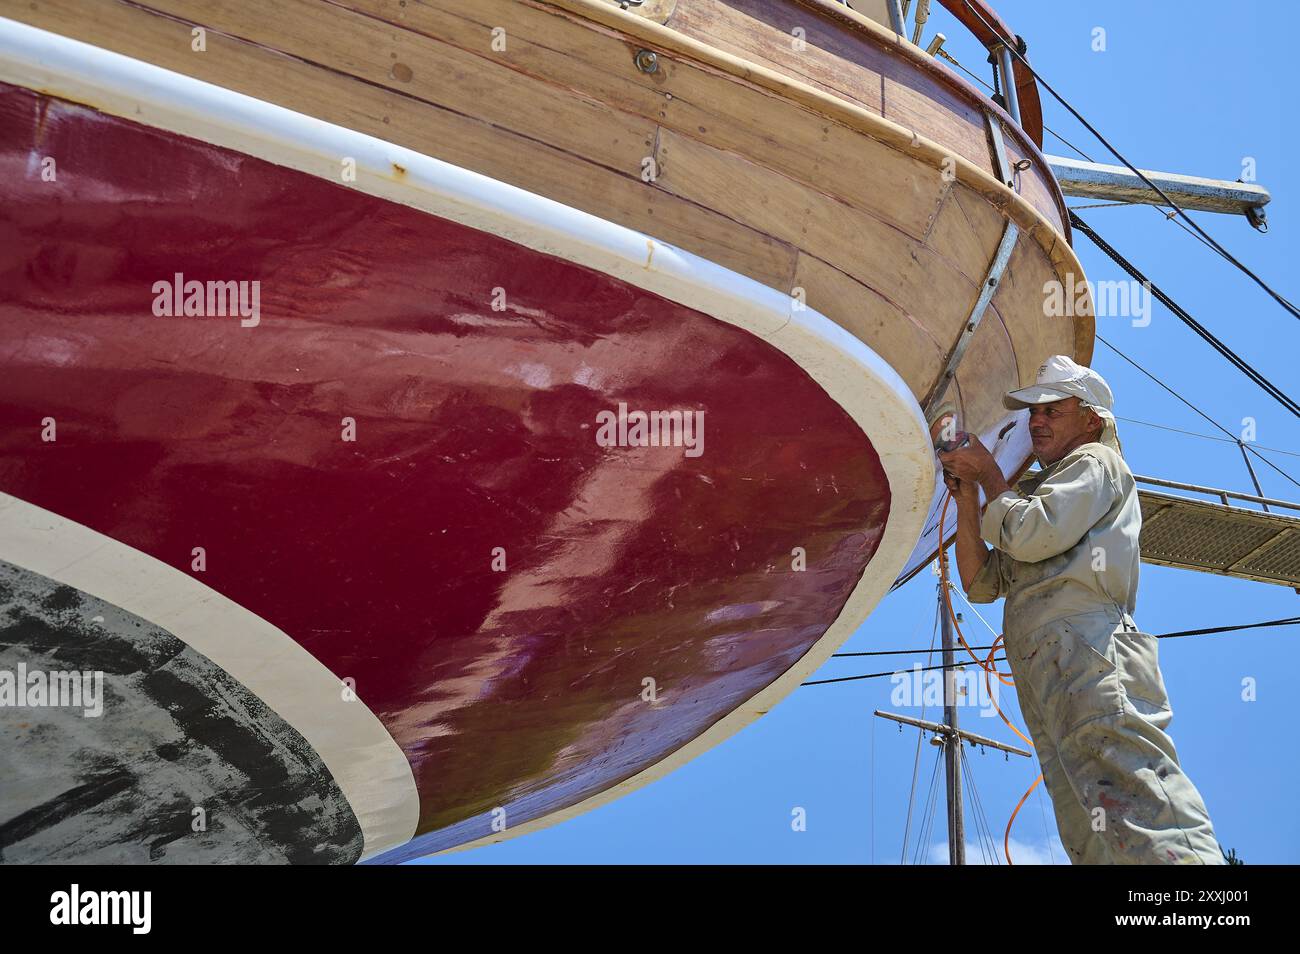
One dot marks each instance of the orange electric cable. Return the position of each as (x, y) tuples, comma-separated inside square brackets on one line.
[(1006, 839)]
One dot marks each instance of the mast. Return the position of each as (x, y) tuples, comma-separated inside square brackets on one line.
[(951, 740), (949, 735)]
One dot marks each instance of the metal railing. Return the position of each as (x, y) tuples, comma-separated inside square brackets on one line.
[(1223, 495), (979, 20)]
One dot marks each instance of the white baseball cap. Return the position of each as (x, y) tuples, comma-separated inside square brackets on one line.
[(1060, 377)]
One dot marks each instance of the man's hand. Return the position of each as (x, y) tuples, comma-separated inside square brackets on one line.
[(965, 470), (971, 465), (962, 489)]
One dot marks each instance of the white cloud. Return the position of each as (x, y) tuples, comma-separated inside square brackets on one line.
[(1022, 853)]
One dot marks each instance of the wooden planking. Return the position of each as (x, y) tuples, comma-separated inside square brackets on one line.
[(898, 267), (1021, 293), (905, 343), (699, 103), (245, 67), (428, 69), (758, 31), (916, 91), (1033, 183), (850, 114), (743, 119), (539, 42), (891, 86), (889, 184), (966, 232), (738, 116), (922, 103), (990, 360), (1064, 264)]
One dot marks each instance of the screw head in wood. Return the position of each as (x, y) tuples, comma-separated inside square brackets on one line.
[(646, 61)]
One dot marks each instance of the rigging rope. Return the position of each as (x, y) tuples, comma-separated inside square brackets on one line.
[(1232, 357), (983, 830), (1236, 440), (1286, 621), (1013, 48), (916, 764), (1204, 437), (1167, 216)]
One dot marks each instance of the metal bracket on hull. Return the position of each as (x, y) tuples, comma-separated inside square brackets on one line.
[(991, 279), (1000, 160)]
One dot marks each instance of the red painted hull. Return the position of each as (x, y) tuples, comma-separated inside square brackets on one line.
[(475, 430)]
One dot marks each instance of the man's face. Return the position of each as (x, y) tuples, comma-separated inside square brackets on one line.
[(1058, 427)]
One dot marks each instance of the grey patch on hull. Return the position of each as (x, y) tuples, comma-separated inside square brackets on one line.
[(177, 733)]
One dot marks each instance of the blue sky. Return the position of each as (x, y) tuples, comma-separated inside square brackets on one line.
[(1192, 87)]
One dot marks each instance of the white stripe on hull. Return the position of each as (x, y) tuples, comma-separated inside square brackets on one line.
[(368, 767)]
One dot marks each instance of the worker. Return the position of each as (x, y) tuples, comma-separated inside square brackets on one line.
[(1065, 556)]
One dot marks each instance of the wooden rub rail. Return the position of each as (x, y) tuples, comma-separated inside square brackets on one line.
[(1222, 538)]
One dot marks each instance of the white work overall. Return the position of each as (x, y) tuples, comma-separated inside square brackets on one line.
[(1066, 559)]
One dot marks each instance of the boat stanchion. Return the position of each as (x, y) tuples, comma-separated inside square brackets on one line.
[(897, 19), (1008, 81)]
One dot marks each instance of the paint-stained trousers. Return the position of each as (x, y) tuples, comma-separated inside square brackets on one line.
[(1095, 704)]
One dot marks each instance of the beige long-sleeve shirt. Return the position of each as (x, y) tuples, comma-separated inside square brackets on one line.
[(1065, 542)]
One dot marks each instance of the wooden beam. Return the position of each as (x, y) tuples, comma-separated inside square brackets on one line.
[(1095, 180)]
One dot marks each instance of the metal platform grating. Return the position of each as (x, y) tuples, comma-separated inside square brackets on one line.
[(1221, 537)]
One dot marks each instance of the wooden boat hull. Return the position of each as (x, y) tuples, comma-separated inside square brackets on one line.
[(822, 259), (402, 490), (854, 173)]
